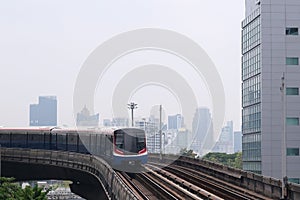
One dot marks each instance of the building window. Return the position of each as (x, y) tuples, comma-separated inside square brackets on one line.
[(251, 91), (292, 91), (251, 119), (251, 63), (292, 61), (292, 121), (294, 180), (291, 31), (251, 35), (292, 151)]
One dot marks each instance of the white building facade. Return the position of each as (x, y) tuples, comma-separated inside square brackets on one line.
[(270, 115)]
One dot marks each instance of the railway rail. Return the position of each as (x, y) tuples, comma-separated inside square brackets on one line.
[(152, 185), (189, 190), (144, 187), (221, 189), (263, 187)]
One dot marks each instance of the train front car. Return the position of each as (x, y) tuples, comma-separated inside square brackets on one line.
[(130, 150)]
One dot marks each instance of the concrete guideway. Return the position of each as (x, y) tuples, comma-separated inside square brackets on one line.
[(92, 177), (236, 179)]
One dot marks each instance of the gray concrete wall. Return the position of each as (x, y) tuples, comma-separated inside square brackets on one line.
[(92, 177), (267, 186), (276, 15)]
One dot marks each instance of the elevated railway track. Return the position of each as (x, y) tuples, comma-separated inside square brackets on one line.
[(209, 186), (169, 178)]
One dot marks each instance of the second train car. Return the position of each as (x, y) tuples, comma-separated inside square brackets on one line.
[(124, 148)]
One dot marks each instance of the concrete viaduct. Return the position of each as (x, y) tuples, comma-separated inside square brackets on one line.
[(92, 177)]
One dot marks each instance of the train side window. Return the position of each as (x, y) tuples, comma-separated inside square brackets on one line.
[(98, 144), (106, 145), (19, 140), (62, 141), (291, 31), (72, 141), (110, 144), (140, 143), (102, 144), (93, 147), (119, 138), (5, 140)]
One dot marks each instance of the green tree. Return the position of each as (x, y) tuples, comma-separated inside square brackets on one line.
[(238, 162), (13, 191), (36, 193), (188, 153), (9, 190), (231, 160)]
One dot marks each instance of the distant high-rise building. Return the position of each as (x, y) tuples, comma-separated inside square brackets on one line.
[(175, 122), (153, 142), (44, 113), (120, 121), (237, 145), (227, 132), (270, 89), (151, 127), (202, 131), (225, 142), (142, 124), (106, 122), (182, 138), (153, 124), (84, 118)]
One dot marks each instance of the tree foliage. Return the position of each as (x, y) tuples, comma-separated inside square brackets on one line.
[(231, 160), (12, 191), (188, 153), (9, 190)]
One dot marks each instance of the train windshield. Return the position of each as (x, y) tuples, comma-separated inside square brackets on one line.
[(130, 141), (119, 140)]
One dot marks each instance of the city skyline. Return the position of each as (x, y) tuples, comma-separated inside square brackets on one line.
[(44, 113), (85, 118), (51, 49), (201, 93)]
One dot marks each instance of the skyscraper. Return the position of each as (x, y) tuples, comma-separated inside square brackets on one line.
[(106, 122), (202, 131), (84, 118), (151, 127), (270, 90), (45, 112), (182, 138), (120, 121), (175, 121), (237, 141), (225, 141)]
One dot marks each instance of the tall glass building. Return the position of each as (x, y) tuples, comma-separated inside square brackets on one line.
[(202, 128), (270, 88), (44, 113), (175, 121)]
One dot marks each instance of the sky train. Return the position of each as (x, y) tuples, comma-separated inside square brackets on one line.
[(123, 148)]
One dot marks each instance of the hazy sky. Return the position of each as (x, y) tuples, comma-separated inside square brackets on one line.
[(43, 45)]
